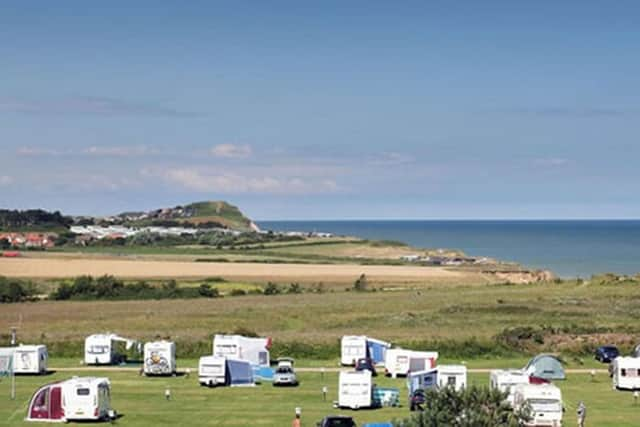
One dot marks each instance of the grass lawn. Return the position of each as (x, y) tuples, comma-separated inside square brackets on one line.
[(141, 401)]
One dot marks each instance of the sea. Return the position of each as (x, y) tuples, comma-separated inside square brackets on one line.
[(569, 248)]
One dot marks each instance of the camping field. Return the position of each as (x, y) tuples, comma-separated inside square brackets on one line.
[(141, 401)]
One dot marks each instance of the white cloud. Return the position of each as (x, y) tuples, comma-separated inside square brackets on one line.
[(233, 183), (123, 151), (5, 180), (231, 151), (550, 162)]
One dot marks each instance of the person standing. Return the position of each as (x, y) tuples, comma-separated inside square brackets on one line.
[(296, 420), (582, 413)]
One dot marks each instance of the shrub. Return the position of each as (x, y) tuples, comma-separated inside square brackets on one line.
[(361, 285), (14, 290), (294, 288), (238, 292), (271, 289)]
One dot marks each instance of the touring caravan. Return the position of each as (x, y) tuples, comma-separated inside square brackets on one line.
[(355, 347), (422, 380), (221, 371), (545, 402), (30, 359), (77, 399), (400, 361), (108, 349), (160, 358), (506, 380), (355, 390), (253, 350), (452, 376), (626, 373)]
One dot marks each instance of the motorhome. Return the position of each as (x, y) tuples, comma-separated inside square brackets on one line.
[(30, 359), (77, 399), (108, 349), (253, 350), (355, 347), (452, 376), (626, 373), (544, 401), (355, 390), (401, 362), (160, 358), (506, 380), (221, 371)]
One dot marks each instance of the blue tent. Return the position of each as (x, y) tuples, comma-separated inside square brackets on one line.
[(422, 380), (239, 373), (377, 350), (262, 373), (545, 366)]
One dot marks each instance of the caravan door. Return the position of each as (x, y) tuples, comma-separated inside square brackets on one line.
[(46, 405)]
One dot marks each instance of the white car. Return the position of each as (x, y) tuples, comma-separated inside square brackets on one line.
[(285, 375)]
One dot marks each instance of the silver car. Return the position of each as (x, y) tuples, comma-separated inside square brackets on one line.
[(285, 375)]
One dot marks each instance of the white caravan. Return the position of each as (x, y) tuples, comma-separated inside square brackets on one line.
[(545, 401), (353, 347), (452, 376), (399, 361), (626, 373), (107, 349), (253, 350), (212, 370), (30, 359), (506, 380), (77, 399), (355, 390), (160, 358)]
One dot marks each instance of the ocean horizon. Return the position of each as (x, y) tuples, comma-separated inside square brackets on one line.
[(568, 247)]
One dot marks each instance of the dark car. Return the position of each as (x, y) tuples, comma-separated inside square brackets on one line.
[(337, 421), (417, 399), (366, 364), (607, 353)]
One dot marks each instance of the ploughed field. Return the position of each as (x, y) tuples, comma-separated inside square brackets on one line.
[(141, 400)]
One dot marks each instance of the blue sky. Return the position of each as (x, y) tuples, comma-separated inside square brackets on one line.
[(493, 109)]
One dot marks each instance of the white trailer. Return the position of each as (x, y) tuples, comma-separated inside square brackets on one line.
[(353, 347), (160, 358), (452, 376), (399, 361), (212, 371), (77, 399), (506, 380), (253, 350), (545, 402), (626, 373), (30, 359), (108, 349), (355, 390)]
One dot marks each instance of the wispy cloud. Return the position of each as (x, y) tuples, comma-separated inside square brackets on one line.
[(94, 151), (586, 112), (231, 151), (390, 159), (5, 180), (91, 105)]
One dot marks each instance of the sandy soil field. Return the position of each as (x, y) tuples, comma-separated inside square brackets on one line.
[(126, 268)]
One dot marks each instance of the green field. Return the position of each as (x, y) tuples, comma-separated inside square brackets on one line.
[(141, 401)]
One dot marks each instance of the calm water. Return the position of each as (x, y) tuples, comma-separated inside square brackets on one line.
[(569, 248)]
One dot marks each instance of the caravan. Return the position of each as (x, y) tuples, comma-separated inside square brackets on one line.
[(30, 359), (452, 376), (506, 381), (356, 347), (77, 399), (221, 371), (400, 361), (253, 350), (355, 390), (626, 373), (160, 358), (545, 401), (108, 349)]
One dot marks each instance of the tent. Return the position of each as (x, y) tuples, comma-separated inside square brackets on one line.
[(46, 404), (239, 373), (545, 366), (377, 350)]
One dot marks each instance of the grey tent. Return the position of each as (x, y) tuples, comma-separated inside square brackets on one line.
[(545, 366)]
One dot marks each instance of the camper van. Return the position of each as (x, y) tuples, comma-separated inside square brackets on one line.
[(108, 349), (77, 399), (626, 373), (400, 361), (221, 371), (160, 358), (507, 380), (253, 350), (356, 347), (545, 401), (452, 376), (355, 390), (30, 359)]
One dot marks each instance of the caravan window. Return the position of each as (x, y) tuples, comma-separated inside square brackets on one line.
[(212, 369), (40, 403), (623, 372), (83, 391), (98, 349), (545, 405), (451, 381), (352, 350), (226, 349)]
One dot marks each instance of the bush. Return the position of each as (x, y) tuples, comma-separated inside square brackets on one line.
[(361, 285), (294, 288), (238, 292), (271, 289), (14, 290)]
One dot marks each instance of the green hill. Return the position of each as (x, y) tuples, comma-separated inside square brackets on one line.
[(219, 212)]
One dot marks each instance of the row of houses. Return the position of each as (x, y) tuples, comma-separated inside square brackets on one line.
[(97, 232), (30, 240), (444, 260)]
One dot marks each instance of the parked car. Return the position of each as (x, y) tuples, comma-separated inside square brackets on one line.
[(607, 353), (337, 421), (366, 364), (285, 375), (417, 399)]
